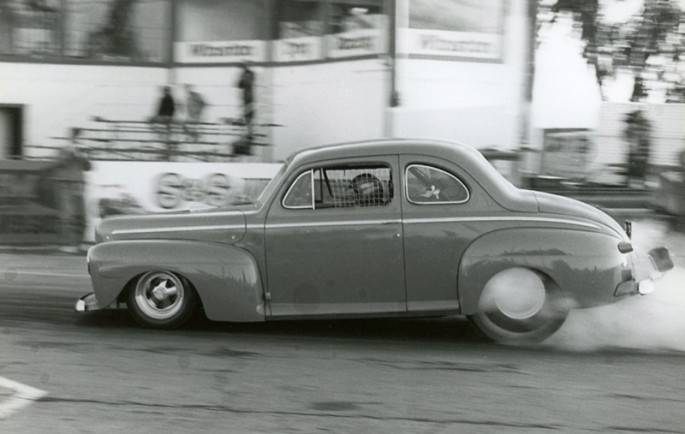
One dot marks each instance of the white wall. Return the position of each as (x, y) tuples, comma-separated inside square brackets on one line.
[(328, 103), (472, 102), (315, 104), (58, 97)]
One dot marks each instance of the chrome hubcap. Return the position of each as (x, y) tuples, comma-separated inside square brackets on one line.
[(159, 295), (518, 293)]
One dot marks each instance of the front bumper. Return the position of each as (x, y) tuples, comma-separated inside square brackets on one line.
[(87, 303)]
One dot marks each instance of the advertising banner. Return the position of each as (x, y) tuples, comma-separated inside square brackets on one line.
[(461, 29), (220, 51), (565, 153), (132, 187), (361, 42), (451, 44), (298, 49)]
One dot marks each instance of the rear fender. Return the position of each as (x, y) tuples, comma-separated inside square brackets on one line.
[(226, 278), (585, 265)]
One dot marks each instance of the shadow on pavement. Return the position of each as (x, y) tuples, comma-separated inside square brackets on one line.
[(451, 329)]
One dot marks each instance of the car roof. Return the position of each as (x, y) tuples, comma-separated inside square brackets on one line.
[(437, 148), (466, 157)]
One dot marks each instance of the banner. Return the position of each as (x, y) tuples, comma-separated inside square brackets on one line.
[(132, 187), (451, 44), (360, 42), (220, 51), (566, 153), (297, 49)]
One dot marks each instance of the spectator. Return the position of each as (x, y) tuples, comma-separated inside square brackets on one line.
[(246, 83), (165, 117), (68, 175), (167, 106), (195, 106)]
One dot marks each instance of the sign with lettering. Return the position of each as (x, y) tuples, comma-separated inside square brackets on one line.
[(162, 186), (357, 43), (566, 152), (297, 49), (220, 51), (450, 44)]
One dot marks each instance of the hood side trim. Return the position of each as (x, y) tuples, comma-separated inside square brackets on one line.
[(175, 229)]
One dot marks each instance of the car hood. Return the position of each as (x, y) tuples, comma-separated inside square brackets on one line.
[(226, 226), (554, 204)]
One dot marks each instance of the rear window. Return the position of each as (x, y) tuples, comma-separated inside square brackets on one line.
[(428, 185)]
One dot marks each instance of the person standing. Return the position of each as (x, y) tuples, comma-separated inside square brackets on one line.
[(165, 116), (195, 105), (246, 84), (69, 178)]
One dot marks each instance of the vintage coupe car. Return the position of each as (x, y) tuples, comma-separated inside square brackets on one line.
[(380, 228)]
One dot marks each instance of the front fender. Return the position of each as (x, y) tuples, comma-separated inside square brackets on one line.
[(586, 266), (226, 278)]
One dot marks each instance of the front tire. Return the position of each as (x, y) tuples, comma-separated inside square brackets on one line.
[(161, 299), (520, 306)]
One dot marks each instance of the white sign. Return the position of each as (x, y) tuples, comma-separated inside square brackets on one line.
[(297, 49), (163, 187), (220, 51), (356, 43), (451, 44)]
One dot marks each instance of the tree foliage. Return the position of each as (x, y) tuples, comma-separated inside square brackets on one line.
[(651, 43)]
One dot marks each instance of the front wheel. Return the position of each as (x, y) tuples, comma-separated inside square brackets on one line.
[(520, 306), (161, 299)]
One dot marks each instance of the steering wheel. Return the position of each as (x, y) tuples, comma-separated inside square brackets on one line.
[(368, 189)]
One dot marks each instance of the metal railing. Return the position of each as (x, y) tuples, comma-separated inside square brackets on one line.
[(153, 140)]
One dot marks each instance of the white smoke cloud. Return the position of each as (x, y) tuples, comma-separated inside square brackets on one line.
[(654, 322)]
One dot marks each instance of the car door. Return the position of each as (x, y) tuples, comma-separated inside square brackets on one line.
[(437, 196), (334, 240)]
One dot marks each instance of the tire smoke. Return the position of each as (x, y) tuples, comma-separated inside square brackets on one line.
[(655, 322)]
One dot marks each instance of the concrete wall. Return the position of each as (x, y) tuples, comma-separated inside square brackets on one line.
[(328, 103)]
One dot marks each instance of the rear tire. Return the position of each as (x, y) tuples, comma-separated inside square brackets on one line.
[(161, 299), (520, 306)]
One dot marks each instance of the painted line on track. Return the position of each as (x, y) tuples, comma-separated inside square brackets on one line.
[(23, 397)]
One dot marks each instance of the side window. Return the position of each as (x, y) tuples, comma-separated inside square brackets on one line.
[(428, 185), (353, 186), (299, 195)]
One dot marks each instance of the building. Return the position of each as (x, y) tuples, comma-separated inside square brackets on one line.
[(327, 70)]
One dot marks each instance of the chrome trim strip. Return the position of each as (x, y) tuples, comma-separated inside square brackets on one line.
[(406, 186), (287, 193), (356, 222), (176, 229), (503, 218), (333, 223)]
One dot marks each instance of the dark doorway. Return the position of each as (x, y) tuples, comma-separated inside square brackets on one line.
[(11, 131)]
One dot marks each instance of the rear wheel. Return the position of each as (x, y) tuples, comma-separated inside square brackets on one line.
[(161, 299), (520, 306)]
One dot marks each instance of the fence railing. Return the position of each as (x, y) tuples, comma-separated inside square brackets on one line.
[(153, 140)]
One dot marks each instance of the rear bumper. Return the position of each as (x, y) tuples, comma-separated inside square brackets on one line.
[(645, 269)]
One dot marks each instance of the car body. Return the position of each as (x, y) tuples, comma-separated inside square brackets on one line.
[(373, 229)]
